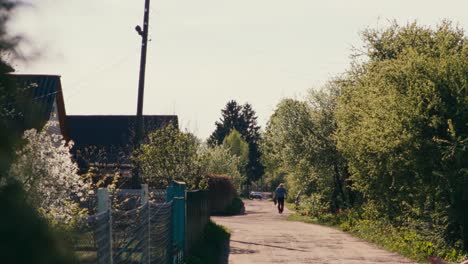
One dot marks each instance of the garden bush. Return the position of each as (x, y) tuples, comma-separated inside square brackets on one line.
[(221, 192), (235, 208)]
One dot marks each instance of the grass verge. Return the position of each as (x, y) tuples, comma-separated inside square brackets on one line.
[(211, 248), (403, 240)]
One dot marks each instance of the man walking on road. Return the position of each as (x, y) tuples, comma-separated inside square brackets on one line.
[(280, 194)]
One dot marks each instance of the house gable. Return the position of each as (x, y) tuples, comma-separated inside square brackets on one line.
[(40, 100)]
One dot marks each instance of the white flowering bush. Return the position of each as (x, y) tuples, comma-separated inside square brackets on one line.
[(49, 175)]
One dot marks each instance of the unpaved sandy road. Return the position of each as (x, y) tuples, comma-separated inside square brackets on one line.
[(264, 236)]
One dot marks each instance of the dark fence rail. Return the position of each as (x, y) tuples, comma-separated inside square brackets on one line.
[(198, 215)]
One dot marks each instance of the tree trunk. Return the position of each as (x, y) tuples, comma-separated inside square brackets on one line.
[(464, 212), (339, 183)]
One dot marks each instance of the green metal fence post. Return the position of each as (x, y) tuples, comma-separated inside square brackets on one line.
[(176, 194)]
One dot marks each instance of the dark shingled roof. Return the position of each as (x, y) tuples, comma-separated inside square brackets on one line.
[(37, 96), (112, 133)]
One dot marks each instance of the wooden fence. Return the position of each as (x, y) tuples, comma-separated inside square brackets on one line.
[(198, 215)]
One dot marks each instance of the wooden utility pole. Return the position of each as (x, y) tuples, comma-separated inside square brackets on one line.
[(141, 89)]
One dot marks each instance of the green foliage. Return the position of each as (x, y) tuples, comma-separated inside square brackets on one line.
[(410, 242), (237, 146), (243, 119), (170, 155), (26, 237), (299, 143), (221, 192), (313, 205), (388, 138), (235, 208), (402, 124), (10, 135), (231, 119), (403, 240), (212, 247), (218, 160), (174, 155)]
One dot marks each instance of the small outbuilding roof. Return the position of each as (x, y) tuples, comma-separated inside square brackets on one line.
[(111, 130), (113, 134)]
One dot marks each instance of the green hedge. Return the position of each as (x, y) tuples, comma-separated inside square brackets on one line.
[(221, 192), (235, 208)]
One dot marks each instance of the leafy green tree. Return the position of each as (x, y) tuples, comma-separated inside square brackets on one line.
[(402, 125), (238, 147), (299, 141), (170, 155), (219, 160), (243, 119)]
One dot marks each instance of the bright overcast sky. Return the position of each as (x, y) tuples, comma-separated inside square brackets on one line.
[(204, 52)]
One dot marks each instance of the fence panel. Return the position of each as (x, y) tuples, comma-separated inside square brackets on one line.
[(142, 227), (129, 232), (83, 239), (160, 233), (198, 216)]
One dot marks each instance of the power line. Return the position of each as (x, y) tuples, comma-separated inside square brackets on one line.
[(75, 85), (105, 69)]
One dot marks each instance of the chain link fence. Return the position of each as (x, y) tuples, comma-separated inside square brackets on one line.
[(141, 226), (129, 227)]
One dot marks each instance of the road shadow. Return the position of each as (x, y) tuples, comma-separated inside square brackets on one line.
[(236, 250), (266, 245), (253, 212)]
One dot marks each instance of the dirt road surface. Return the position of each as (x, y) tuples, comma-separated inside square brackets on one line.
[(264, 236)]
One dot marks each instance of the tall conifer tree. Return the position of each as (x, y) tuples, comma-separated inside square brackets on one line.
[(243, 119)]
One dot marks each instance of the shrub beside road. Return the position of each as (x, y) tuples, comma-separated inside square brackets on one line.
[(403, 240)]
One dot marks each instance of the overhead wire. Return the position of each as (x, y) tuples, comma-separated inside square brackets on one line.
[(75, 85)]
